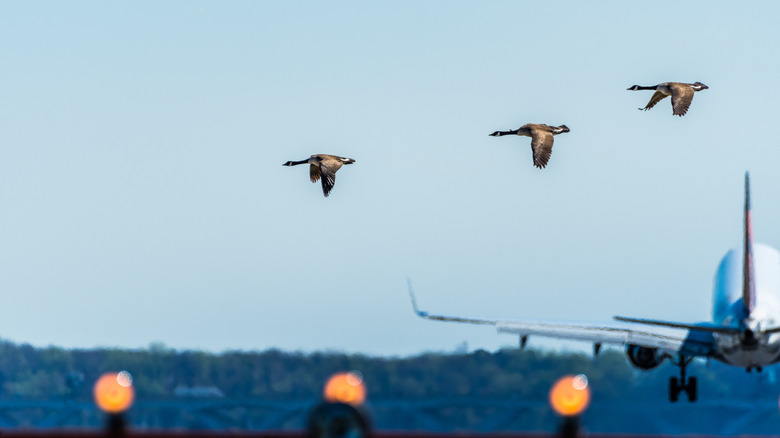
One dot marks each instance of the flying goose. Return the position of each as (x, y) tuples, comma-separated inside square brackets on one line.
[(541, 139), (682, 95), (323, 166)]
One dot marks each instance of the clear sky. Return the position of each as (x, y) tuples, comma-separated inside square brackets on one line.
[(142, 196)]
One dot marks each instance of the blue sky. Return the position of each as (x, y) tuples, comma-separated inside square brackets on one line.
[(142, 196)]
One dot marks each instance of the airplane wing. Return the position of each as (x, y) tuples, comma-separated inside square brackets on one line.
[(689, 341)]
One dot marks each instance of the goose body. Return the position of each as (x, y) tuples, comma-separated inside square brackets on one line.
[(541, 139), (323, 167), (682, 95)]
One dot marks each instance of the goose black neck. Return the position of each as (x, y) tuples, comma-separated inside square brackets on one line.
[(654, 87), (295, 163)]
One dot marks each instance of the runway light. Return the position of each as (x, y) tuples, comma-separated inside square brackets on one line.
[(345, 388), (570, 395), (114, 392)]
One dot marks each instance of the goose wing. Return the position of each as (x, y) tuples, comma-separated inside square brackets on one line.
[(682, 96), (657, 97), (314, 171), (328, 168), (541, 146)]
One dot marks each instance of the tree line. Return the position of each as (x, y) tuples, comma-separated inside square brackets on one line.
[(27, 372)]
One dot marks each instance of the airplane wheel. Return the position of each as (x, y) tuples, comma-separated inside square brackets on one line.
[(692, 389), (674, 390)]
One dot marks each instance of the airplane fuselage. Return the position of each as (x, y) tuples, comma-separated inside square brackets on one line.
[(752, 348), (744, 331)]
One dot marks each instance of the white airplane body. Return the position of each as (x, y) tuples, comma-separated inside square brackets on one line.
[(744, 331), (728, 309)]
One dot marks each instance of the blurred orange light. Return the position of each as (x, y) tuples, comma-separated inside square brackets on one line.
[(570, 395), (114, 392), (345, 388)]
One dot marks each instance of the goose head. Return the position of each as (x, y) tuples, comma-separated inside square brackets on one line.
[(289, 163), (633, 88), (698, 86)]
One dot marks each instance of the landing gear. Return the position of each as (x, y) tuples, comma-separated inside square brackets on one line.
[(689, 385)]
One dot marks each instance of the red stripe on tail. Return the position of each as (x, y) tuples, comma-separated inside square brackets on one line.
[(748, 272)]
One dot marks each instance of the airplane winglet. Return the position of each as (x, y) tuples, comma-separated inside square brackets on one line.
[(427, 315), (414, 301)]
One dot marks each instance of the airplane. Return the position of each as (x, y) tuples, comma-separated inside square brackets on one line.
[(744, 331)]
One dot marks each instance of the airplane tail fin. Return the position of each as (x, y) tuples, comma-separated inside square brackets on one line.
[(748, 272)]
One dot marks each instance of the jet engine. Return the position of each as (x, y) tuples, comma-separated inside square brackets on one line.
[(643, 357)]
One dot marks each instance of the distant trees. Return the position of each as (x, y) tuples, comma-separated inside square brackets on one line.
[(56, 373)]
